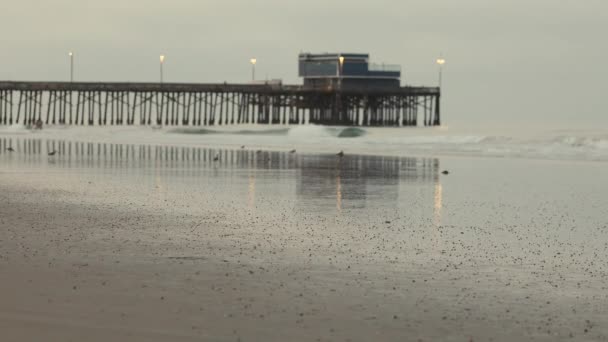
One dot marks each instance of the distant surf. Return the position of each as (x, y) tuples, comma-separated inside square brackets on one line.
[(307, 130), (202, 131)]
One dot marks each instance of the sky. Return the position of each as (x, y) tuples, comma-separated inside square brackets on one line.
[(508, 62)]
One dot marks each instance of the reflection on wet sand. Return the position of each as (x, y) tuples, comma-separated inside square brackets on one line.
[(437, 208), (324, 182), (354, 181), (438, 203), (251, 192)]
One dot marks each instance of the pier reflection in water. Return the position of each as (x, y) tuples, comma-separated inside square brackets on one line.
[(304, 182)]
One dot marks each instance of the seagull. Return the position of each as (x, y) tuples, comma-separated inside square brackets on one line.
[(445, 172), (52, 153), (340, 154), (292, 151), (217, 157), (10, 149)]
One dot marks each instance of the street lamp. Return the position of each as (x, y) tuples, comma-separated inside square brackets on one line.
[(162, 61), (71, 54), (253, 62), (440, 63), (341, 59)]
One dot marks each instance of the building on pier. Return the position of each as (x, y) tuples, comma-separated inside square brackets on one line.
[(346, 71)]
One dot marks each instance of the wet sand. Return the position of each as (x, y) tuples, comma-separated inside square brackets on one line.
[(275, 247)]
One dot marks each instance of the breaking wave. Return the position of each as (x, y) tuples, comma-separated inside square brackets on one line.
[(582, 142), (312, 131), (304, 130), (203, 131)]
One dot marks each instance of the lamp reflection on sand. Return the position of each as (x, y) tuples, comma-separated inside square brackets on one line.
[(251, 192), (438, 204), (338, 193), (437, 207)]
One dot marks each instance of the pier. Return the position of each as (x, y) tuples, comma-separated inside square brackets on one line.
[(85, 103), (338, 89)]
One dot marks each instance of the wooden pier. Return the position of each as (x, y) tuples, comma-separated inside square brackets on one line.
[(173, 104)]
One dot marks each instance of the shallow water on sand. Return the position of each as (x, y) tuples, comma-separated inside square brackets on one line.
[(511, 209), (503, 247)]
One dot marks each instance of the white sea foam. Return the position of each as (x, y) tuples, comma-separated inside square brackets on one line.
[(14, 129), (309, 131), (437, 141)]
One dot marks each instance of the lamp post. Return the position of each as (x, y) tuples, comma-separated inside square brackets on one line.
[(71, 54), (253, 62), (162, 61), (341, 59), (440, 63)]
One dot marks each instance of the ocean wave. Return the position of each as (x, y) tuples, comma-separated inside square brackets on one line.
[(351, 132), (429, 140), (309, 131), (582, 142), (315, 131), (204, 131)]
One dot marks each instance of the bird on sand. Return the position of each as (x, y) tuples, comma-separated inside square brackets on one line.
[(52, 153), (340, 154), (217, 157), (10, 149), (445, 172), (292, 151)]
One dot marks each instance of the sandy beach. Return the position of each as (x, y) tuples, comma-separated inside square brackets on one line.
[(140, 243)]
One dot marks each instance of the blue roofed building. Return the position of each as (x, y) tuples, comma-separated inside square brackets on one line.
[(346, 71)]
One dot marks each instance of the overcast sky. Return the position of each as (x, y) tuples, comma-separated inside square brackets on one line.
[(509, 61)]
